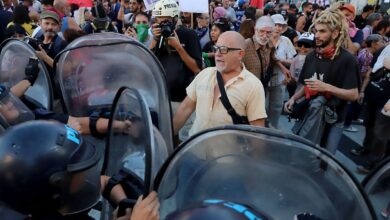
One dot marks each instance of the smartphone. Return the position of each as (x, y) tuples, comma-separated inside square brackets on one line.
[(128, 25)]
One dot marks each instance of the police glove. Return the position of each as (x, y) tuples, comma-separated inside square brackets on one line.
[(32, 70)]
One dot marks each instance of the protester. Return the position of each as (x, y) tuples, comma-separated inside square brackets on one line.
[(178, 50), (259, 53), (372, 22), (373, 42), (63, 7), (244, 91), (202, 29), (141, 29), (21, 18), (305, 20), (304, 46), (51, 44), (284, 53), (247, 28), (330, 77), (355, 36), (219, 26), (361, 19)]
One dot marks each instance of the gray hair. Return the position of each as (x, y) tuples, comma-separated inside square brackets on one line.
[(373, 38), (373, 17), (264, 21)]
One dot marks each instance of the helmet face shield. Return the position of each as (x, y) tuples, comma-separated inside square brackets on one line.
[(80, 185), (12, 110)]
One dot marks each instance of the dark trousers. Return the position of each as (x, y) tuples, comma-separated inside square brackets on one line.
[(353, 111), (377, 139)]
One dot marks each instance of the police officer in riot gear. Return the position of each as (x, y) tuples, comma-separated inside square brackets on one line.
[(47, 171)]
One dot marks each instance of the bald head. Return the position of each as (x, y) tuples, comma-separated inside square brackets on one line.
[(59, 3), (233, 39)]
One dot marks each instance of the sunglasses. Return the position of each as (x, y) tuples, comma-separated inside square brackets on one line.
[(305, 45)]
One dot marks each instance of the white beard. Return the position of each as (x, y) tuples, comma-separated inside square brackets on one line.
[(261, 41)]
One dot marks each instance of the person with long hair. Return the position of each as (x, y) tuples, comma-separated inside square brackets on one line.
[(219, 26), (21, 18), (247, 28), (330, 76)]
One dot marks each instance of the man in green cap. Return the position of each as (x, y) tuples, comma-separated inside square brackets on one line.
[(50, 44)]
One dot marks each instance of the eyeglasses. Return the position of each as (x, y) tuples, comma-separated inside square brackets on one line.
[(268, 33), (305, 45), (223, 49)]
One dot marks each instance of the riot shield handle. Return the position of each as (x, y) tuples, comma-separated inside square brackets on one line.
[(123, 205)]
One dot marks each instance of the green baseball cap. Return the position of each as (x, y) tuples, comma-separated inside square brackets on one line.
[(50, 14)]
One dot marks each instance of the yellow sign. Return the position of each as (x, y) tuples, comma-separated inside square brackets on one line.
[(371, 2)]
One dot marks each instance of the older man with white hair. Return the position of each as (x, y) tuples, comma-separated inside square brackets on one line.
[(260, 52)]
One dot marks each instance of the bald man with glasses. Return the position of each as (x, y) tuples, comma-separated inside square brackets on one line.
[(244, 90)]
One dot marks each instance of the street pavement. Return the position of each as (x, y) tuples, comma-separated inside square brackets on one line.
[(357, 137)]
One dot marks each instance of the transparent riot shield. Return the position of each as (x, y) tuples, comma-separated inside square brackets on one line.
[(13, 60), (133, 145), (135, 149), (277, 174), (92, 68), (377, 186)]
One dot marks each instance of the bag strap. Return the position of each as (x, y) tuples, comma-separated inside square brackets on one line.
[(225, 100)]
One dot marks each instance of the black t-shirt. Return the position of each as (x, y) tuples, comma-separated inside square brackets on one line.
[(179, 76), (290, 34), (342, 72), (292, 20), (308, 22), (360, 22), (52, 49)]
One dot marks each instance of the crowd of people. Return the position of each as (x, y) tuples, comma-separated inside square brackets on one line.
[(323, 65)]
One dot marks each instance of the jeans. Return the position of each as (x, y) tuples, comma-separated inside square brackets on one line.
[(274, 105), (332, 137)]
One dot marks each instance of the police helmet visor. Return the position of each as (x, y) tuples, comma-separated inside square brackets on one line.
[(81, 188), (12, 110)]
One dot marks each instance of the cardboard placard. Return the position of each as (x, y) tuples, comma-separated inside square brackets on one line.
[(198, 6), (149, 4)]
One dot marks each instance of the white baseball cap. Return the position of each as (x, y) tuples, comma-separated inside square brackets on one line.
[(278, 19), (306, 37)]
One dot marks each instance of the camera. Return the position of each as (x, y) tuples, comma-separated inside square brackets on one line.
[(167, 29), (128, 25), (34, 43)]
